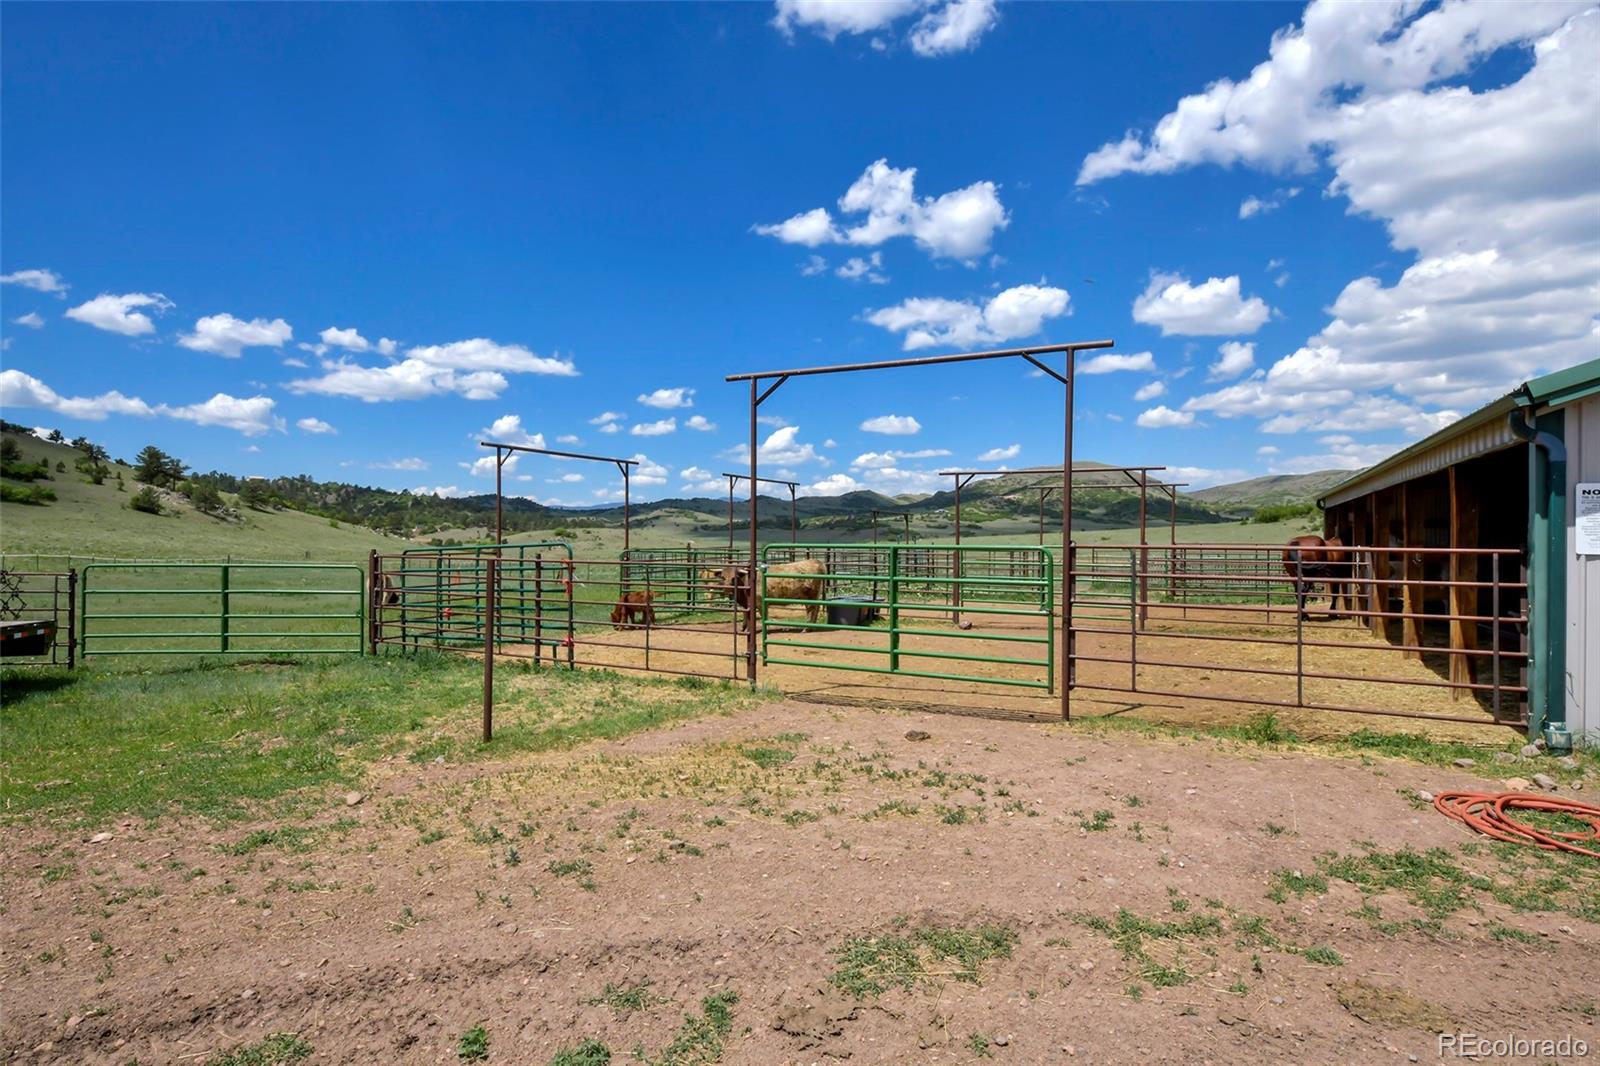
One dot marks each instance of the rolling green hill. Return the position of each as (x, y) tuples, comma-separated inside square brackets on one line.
[(304, 519), (1270, 490), (96, 521)]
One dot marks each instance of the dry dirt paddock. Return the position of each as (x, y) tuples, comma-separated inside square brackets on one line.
[(799, 883)]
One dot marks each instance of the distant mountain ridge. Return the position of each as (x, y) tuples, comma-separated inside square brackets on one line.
[(1012, 496), (1272, 490)]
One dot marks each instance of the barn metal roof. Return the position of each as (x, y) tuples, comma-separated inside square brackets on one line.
[(1483, 431)]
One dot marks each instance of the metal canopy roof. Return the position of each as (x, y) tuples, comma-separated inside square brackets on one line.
[(1479, 433)]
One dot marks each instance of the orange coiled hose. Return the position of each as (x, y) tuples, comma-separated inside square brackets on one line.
[(1486, 813)]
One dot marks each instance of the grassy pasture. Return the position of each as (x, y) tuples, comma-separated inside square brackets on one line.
[(215, 737), (96, 521)]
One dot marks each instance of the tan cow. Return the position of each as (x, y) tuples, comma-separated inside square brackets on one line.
[(801, 579)]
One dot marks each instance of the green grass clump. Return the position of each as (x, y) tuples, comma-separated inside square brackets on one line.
[(1301, 884), (473, 1045), (868, 966), (1434, 880), (1322, 955), (589, 1053), (278, 1049), (701, 1038), (1099, 822), (626, 998), (568, 867), (769, 758), (1134, 936)]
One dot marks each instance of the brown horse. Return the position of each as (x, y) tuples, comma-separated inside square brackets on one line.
[(1310, 559), (634, 609)]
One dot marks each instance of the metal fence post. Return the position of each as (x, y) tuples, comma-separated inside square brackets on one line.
[(1133, 621), (223, 620), (491, 580), (538, 611), (72, 619), (1494, 626), (367, 593), (1299, 656), (894, 607)]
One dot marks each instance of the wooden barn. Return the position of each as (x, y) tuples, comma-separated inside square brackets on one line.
[(1522, 473)]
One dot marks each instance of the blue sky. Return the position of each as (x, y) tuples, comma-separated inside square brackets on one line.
[(349, 240)]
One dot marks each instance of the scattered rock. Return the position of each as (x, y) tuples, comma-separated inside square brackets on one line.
[(918, 734), (1530, 751), (353, 799), (1424, 795), (1464, 763), (1085, 965), (1001, 1041), (100, 838), (1567, 762), (1517, 784), (1545, 781), (1504, 757)]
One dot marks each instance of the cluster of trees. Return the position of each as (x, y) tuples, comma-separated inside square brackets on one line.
[(381, 509), (1283, 512), (155, 467), (16, 467)]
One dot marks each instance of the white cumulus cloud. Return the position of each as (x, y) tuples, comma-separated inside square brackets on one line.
[(508, 429), (1213, 307), (892, 425), (474, 369), (668, 399), (659, 428), (250, 415), (955, 26), (1164, 417), (957, 225), (1000, 455), (1488, 185), (699, 423), (315, 426), (1011, 315), (31, 320), (868, 268), (23, 390), (227, 336), (942, 28), (121, 314), (37, 280), (1111, 362), (1237, 358)]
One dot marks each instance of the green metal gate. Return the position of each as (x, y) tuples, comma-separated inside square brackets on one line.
[(437, 594), (222, 609), (917, 607)]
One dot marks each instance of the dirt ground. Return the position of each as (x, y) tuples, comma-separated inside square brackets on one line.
[(1375, 676), (745, 853)]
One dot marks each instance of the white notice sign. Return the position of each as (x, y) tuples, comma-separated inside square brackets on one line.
[(1586, 527)]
